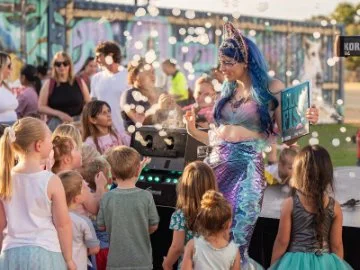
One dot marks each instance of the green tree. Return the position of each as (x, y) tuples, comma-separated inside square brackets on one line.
[(344, 13), (353, 63), (319, 18)]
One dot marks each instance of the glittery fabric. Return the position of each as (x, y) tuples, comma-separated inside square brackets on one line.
[(239, 168)]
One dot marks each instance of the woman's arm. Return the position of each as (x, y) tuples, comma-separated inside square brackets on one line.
[(283, 236), (85, 91), (61, 217), (175, 250), (336, 243), (43, 104), (187, 263)]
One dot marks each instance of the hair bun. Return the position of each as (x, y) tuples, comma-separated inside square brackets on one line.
[(56, 140), (210, 199)]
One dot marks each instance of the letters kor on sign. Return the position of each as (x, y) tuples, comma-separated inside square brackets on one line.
[(348, 46)]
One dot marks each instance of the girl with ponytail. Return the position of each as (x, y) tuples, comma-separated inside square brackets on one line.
[(196, 179), (35, 228), (212, 249), (310, 228), (244, 114)]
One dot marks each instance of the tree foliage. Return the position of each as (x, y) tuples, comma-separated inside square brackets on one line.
[(348, 15)]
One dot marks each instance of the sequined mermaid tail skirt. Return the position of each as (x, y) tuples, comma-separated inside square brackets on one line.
[(239, 169)]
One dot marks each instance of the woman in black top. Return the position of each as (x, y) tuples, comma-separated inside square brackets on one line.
[(63, 97)]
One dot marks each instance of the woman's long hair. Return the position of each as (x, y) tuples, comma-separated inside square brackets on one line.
[(260, 80), (312, 176), (54, 75)]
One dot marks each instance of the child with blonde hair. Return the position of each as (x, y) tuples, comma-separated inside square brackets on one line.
[(94, 168), (128, 213), (68, 157), (197, 178), (280, 172), (88, 153), (90, 172), (69, 130), (84, 238), (212, 249), (34, 220), (310, 228)]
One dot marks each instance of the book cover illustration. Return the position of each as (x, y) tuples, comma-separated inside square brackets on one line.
[(295, 101)]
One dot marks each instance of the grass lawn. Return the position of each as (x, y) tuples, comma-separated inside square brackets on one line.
[(342, 155)]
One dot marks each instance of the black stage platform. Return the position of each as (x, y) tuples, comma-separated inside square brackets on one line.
[(347, 186)]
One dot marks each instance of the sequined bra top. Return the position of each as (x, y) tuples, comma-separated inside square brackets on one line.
[(303, 230), (241, 113)]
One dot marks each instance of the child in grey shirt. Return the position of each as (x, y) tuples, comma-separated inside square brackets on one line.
[(84, 238), (128, 214)]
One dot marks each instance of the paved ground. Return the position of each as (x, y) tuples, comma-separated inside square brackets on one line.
[(352, 106)]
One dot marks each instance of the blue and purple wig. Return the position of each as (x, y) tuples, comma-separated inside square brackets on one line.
[(243, 50)]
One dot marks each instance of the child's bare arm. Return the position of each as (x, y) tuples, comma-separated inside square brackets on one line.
[(283, 235), (187, 263), (175, 250), (93, 250), (152, 229), (61, 217), (236, 265), (336, 243)]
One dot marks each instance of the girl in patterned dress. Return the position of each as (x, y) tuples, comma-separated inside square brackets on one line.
[(197, 178)]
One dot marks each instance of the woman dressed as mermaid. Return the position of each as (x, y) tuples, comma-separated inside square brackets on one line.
[(244, 114)]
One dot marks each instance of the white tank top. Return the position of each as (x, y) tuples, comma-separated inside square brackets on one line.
[(208, 257), (28, 213)]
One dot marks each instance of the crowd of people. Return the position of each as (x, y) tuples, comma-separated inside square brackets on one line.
[(66, 139)]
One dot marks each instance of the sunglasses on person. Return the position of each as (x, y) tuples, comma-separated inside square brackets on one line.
[(59, 63), (9, 66)]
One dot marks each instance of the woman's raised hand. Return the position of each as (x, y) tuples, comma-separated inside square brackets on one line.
[(312, 114)]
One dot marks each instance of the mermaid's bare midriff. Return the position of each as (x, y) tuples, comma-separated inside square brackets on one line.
[(232, 133)]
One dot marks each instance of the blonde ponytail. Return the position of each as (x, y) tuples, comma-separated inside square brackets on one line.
[(7, 159), (17, 140)]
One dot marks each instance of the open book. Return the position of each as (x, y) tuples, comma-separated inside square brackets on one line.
[(295, 101)]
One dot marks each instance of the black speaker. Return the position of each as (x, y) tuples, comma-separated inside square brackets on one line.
[(162, 238), (169, 149)]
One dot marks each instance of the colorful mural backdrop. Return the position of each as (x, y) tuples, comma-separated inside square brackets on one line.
[(36, 29)]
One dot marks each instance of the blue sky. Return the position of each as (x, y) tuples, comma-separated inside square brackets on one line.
[(281, 9)]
